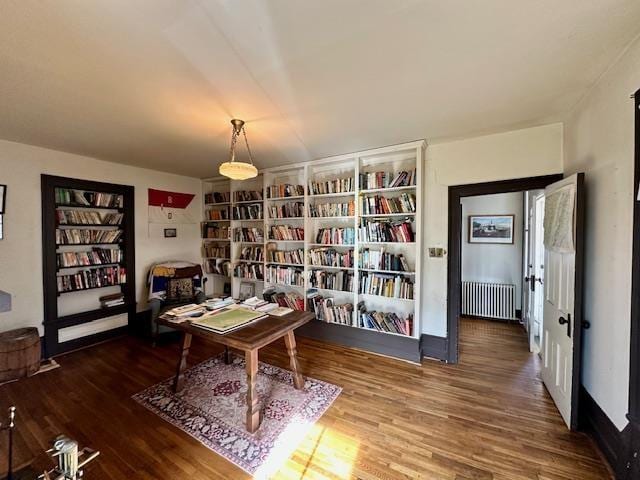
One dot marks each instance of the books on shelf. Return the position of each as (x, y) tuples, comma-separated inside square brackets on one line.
[(214, 231), (97, 256), (250, 211), (82, 198), (335, 235), (247, 195), (211, 250), (377, 204), (254, 254), (372, 180), (91, 278), (249, 271), (287, 210), (213, 214), (337, 185), (386, 231), (285, 275), (384, 321), (341, 280), (291, 300), (326, 310), (386, 285), (381, 260), (84, 217), (285, 256), (76, 236), (109, 301), (217, 266), (346, 209), (216, 197), (253, 235), (284, 190), (286, 232), (330, 257)]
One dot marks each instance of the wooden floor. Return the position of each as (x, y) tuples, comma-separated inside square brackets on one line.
[(487, 417)]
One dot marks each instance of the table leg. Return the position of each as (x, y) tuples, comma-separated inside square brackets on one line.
[(290, 342), (178, 382), (227, 356), (253, 410)]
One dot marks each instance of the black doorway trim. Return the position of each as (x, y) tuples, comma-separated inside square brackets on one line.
[(454, 275)]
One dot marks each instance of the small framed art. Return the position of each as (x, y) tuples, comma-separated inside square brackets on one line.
[(491, 229)]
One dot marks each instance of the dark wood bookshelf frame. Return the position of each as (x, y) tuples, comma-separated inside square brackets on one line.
[(52, 321)]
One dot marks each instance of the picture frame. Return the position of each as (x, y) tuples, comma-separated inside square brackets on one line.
[(247, 290), (3, 198), (170, 233), (491, 229)]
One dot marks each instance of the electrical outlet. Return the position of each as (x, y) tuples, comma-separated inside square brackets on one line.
[(436, 252)]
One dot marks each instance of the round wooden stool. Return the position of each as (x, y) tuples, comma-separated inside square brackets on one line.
[(19, 353)]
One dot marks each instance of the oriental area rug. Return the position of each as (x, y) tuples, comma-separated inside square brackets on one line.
[(212, 408)]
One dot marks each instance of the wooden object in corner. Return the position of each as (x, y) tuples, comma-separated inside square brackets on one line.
[(19, 353)]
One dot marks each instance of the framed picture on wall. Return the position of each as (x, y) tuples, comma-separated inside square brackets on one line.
[(491, 229)]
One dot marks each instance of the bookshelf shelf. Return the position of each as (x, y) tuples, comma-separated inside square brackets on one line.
[(60, 280), (362, 175), (221, 204)]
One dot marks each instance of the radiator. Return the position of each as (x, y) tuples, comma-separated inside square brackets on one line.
[(491, 300)]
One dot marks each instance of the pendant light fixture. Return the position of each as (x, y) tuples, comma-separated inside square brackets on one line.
[(234, 169)]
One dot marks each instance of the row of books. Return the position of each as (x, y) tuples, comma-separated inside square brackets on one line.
[(94, 278), (250, 211), (377, 204), (284, 299), (218, 266), (214, 231), (255, 254), (249, 271), (333, 209), (337, 185), (287, 210), (84, 217), (386, 231), (387, 179), (385, 285), (284, 190), (381, 260), (72, 236), (330, 257), (216, 197), (109, 301), (326, 310), (335, 235), (286, 232), (247, 195), (384, 321), (341, 280), (285, 275), (81, 198), (286, 256), (211, 250), (217, 214), (97, 256), (245, 234)]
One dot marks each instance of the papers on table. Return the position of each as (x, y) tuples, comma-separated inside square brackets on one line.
[(227, 319)]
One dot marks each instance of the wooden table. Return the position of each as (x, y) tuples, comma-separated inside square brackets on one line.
[(249, 339)]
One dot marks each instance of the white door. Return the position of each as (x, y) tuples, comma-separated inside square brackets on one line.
[(562, 319), (533, 298)]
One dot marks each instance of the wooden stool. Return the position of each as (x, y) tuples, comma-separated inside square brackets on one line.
[(19, 353)]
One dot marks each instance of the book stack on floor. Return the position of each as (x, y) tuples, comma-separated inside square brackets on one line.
[(385, 285), (292, 300), (109, 301), (377, 204), (326, 309), (384, 321), (373, 180), (386, 231)]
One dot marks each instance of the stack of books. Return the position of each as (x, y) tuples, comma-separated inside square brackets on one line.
[(286, 232), (213, 214), (321, 210), (285, 275), (247, 195), (83, 217), (387, 179), (98, 277), (211, 250), (71, 236), (341, 280), (338, 185), (381, 260), (286, 256), (250, 211), (216, 197), (384, 321), (291, 300), (284, 190), (249, 271), (287, 210), (386, 231), (386, 285), (254, 254), (81, 198), (97, 256), (215, 231), (217, 266), (326, 309), (108, 301), (334, 235), (377, 204), (253, 235)]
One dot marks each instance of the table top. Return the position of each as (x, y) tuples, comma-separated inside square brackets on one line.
[(252, 336)]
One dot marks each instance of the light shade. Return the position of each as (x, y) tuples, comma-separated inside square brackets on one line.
[(238, 170)]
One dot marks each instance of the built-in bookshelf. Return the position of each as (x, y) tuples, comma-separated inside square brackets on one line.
[(88, 261), (339, 236)]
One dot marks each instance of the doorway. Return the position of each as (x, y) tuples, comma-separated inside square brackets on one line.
[(533, 268)]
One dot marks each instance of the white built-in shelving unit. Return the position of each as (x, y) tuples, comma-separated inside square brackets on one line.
[(393, 159)]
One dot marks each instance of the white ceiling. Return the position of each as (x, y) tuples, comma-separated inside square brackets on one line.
[(154, 83)]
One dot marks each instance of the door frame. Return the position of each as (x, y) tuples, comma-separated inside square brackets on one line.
[(454, 259)]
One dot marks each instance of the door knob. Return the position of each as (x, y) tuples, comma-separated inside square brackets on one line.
[(567, 322)]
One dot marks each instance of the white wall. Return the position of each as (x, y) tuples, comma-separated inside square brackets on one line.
[(599, 141), (21, 249), (490, 262), (517, 154)]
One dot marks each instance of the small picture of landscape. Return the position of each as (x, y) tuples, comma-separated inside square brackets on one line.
[(491, 229)]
